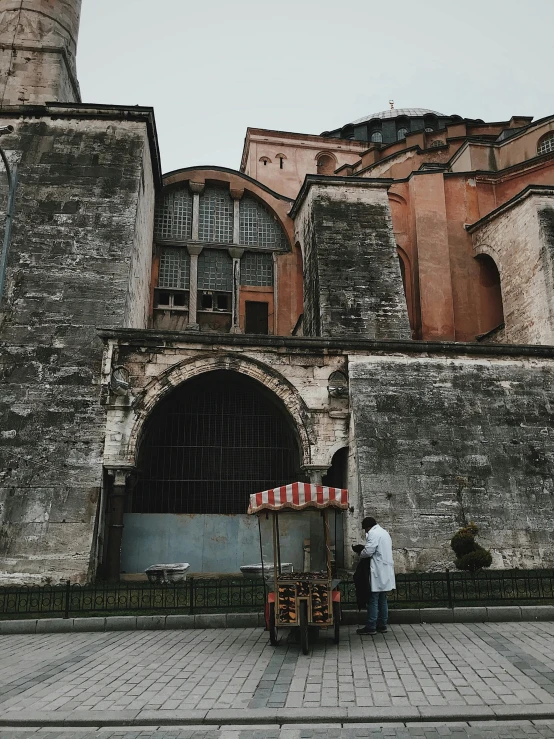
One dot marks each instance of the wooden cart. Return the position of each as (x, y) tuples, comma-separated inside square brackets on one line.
[(308, 598)]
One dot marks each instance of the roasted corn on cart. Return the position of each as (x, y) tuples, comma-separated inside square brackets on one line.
[(307, 598)]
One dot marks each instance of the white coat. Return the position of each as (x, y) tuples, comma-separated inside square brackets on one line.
[(378, 546)]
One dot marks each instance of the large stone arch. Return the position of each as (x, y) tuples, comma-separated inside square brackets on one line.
[(191, 367)]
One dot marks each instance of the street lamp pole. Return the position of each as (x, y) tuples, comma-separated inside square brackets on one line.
[(11, 174)]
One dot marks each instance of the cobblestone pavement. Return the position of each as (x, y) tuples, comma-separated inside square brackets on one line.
[(421, 665), (459, 730)]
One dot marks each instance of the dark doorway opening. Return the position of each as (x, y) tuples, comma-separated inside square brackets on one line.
[(337, 474), (210, 444), (256, 317)]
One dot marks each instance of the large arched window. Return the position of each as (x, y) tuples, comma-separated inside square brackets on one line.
[(211, 443), (173, 219), (546, 144), (490, 293), (258, 227)]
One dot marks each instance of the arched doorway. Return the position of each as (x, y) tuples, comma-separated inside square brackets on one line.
[(206, 447)]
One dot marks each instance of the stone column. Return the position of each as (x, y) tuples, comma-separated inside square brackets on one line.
[(316, 472), (236, 194), (194, 252), (197, 188), (114, 515), (236, 255)]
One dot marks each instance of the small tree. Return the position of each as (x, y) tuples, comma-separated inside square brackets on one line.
[(469, 555)]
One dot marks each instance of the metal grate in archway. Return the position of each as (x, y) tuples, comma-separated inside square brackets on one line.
[(210, 444)]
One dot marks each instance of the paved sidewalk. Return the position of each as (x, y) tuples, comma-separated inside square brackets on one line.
[(456, 672)]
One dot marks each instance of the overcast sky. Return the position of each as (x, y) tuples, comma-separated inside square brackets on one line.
[(210, 68)]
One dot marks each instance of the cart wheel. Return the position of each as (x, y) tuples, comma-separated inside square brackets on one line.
[(337, 617), (303, 626), (272, 627)]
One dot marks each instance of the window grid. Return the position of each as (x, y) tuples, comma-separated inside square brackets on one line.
[(173, 217), (546, 145), (174, 269), (215, 270), (215, 216), (256, 269), (377, 137), (258, 227)]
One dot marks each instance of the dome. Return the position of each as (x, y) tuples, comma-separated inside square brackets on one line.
[(397, 112)]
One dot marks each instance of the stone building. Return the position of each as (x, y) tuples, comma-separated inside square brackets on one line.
[(371, 307)]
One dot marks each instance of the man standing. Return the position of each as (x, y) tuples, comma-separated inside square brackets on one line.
[(378, 546)]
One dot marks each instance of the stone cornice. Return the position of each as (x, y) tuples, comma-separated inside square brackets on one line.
[(318, 345), (332, 181)]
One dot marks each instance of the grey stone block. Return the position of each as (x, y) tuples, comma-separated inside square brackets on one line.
[(121, 623), (405, 616), (210, 621), (28, 717), (437, 615), (244, 715), (455, 713), (383, 713), (311, 715), (504, 613), (179, 622), (95, 623), (241, 620), (54, 625), (470, 615), (151, 622), (166, 718), (532, 711), (81, 717), (537, 613), (21, 626), (261, 619)]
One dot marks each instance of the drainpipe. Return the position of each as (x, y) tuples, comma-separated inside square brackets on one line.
[(11, 174)]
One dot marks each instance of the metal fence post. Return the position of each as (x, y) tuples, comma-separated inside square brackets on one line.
[(449, 589), (191, 596), (67, 598)]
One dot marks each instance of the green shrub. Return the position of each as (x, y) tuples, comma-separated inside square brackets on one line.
[(470, 556)]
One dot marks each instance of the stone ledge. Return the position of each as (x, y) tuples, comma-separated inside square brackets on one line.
[(401, 616)]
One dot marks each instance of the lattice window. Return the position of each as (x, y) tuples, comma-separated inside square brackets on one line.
[(258, 227), (215, 270), (377, 137), (546, 144), (174, 268), (173, 218), (256, 269), (216, 216)]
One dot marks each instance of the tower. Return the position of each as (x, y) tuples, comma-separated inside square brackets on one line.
[(38, 44)]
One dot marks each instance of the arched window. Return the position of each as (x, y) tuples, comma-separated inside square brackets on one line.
[(376, 137), (258, 227), (437, 142), (173, 216), (326, 164), (401, 134), (546, 144), (281, 158), (430, 123), (490, 294), (215, 217), (211, 443), (265, 160)]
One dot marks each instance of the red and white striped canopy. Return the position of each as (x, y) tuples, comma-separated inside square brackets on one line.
[(298, 495)]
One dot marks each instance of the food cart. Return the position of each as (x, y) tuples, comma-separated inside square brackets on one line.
[(295, 518)]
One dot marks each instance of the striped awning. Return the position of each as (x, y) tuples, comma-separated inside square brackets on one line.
[(298, 495)]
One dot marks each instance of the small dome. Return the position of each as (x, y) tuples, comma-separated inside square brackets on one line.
[(397, 112)]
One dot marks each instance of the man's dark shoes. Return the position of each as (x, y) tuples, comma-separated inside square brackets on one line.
[(364, 632), (382, 629)]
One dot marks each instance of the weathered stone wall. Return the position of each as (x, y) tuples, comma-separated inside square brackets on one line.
[(445, 440), (353, 285), (73, 255), (521, 242), (38, 41)]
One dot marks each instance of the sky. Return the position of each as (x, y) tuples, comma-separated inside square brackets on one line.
[(211, 68)]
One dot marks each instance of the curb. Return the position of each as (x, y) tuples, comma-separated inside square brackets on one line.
[(248, 620), (279, 716)]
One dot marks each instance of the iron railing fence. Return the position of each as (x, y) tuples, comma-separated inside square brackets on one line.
[(205, 595)]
